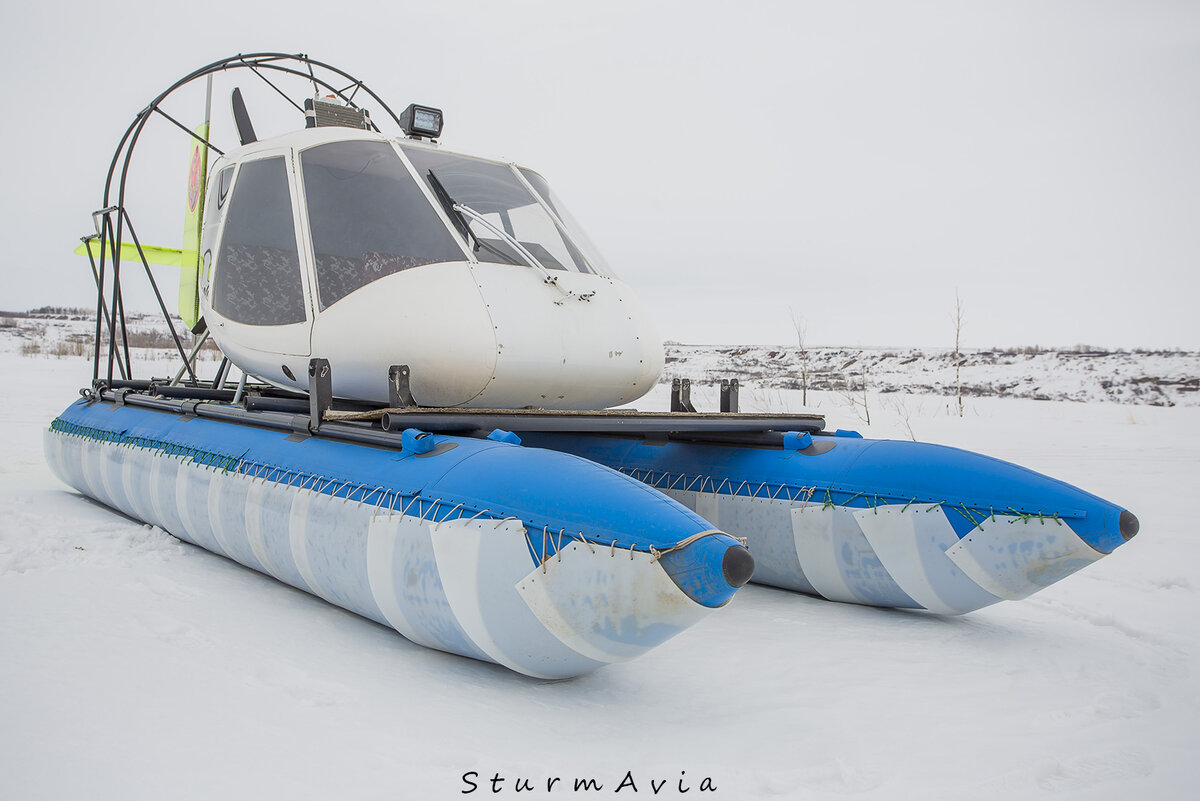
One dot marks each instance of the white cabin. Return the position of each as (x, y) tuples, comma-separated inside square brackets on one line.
[(370, 252)]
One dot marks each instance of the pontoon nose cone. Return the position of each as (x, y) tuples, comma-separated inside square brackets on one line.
[(710, 569), (738, 564), (1128, 525)]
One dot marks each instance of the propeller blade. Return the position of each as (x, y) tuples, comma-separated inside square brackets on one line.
[(242, 118)]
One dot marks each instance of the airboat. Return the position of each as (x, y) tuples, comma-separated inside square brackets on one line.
[(422, 432)]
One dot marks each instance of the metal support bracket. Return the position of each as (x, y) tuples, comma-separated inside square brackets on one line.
[(320, 392), (299, 425), (729, 395), (399, 392), (681, 395), (98, 215)]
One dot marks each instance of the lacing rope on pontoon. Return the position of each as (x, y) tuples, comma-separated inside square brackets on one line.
[(524, 531), (447, 516), (804, 495), (658, 553), (476, 515)]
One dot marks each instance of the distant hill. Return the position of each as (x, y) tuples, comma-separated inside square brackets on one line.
[(1156, 378), (1146, 377)]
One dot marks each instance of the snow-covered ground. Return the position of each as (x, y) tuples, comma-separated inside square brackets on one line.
[(1081, 373), (133, 666), (1154, 378)]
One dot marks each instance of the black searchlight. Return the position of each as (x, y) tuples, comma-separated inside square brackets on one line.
[(421, 121)]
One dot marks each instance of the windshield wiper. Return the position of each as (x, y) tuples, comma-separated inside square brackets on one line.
[(448, 204), (505, 236), (457, 211)]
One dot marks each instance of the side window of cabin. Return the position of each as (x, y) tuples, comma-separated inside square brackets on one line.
[(218, 193), (257, 278), (368, 217), (217, 188)]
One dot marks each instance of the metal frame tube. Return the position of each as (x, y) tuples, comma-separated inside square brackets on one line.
[(190, 358)]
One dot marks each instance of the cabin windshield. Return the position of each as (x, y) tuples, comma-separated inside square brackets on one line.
[(574, 229), (495, 191)]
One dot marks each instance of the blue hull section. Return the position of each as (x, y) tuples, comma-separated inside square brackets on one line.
[(879, 522), (540, 561)]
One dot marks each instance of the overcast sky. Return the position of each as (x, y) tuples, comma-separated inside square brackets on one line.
[(737, 162)]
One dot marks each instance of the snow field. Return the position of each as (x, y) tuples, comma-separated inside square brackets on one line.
[(135, 666)]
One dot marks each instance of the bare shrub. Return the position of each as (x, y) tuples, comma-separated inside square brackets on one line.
[(905, 415), (802, 348), (73, 346), (850, 393), (958, 320)]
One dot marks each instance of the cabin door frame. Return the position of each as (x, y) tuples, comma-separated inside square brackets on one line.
[(292, 339)]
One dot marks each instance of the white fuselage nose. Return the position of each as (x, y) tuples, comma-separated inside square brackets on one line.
[(492, 336)]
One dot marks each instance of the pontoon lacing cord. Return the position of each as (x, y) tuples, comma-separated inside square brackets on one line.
[(656, 554)]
